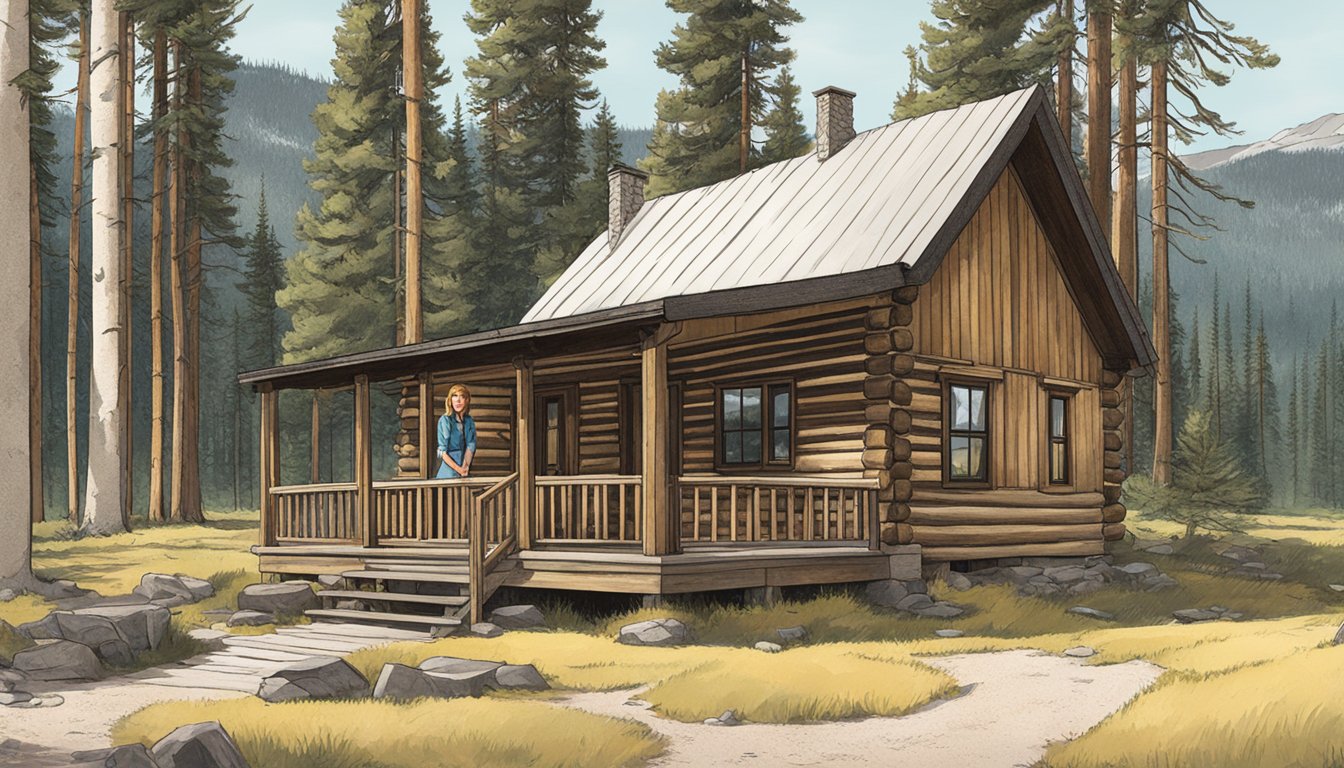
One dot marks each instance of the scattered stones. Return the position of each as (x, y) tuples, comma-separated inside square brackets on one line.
[(1212, 613), (890, 592), (657, 632), (486, 629), (1072, 577), (957, 581), (250, 619), (1092, 613), (128, 756), (769, 647), (59, 660), (949, 633), (318, 678), (203, 745), (518, 617), (288, 598), (1080, 652), (729, 717), (792, 634), (10, 698)]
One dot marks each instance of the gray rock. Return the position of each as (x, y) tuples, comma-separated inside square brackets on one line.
[(792, 634), (250, 619), (1086, 587), (1137, 569), (10, 678), (352, 605), (957, 581), (1024, 571), (1339, 636), (1234, 616), (1240, 554), (7, 594), (10, 698), (203, 745), (1161, 582), (658, 632), (887, 592), (208, 636), (95, 632), (444, 630), (729, 717), (520, 677), (319, 678), (1269, 576), (1337, 587), (61, 589), (1067, 574), (161, 586), (453, 665), (941, 610), (59, 660), (199, 588), (441, 677), (518, 617), (949, 633), (1193, 615), (1092, 613), (398, 681), (486, 629), (769, 647), (1160, 549), (288, 598), (1253, 566), (127, 756), (913, 603), (1080, 652), (142, 626)]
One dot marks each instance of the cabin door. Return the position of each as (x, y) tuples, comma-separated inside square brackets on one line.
[(556, 438)]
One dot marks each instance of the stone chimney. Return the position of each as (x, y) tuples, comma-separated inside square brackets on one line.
[(626, 185), (835, 120)]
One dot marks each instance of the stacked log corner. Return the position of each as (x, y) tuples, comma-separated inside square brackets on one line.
[(888, 344), (1113, 405), (407, 444)]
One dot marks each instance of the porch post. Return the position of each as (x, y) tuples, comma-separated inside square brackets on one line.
[(364, 462), (653, 380), (266, 463), (527, 473), (428, 439), (315, 475)]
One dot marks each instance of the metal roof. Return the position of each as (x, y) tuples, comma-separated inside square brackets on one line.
[(879, 202)]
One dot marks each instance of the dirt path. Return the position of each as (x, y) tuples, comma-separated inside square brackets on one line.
[(1014, 703)]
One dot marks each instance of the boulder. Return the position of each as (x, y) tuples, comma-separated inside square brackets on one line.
[(127, 756), (96, 632), (518, 617), (1023, 572), (887, 592), (769, 647), (9, 679), (142, 626), (957, 581), (10, 698), (1091, 613), (949, 633), (319, 678), (792, 634), (1080, 652), (486, 629), (203, 745), (7, 594), (1067, 574), (288, 598), (451, 665), (520, 677), (400, 682), (181, 589), (1193, 615), (59, 660), (941, 610), (439, 677), (250, 619), (199, 588), (659, 632), (913, 603)]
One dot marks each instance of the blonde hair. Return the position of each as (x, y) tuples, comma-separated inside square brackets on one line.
[(448, 401)]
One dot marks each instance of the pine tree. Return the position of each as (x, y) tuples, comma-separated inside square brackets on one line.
[(905, 102), (263, 277), (1322, 434), (785, 136), (499, 285), (1267, 433), (448, 306), (979, 50), (1231, 385), (1195, 366), (1293, 437), (723, 54)]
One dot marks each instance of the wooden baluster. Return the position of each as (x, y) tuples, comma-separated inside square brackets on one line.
[(714, 513), (621, 504)]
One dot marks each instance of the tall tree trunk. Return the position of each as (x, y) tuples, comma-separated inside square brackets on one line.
[(127, 142), (1124, 219), (1064, 88), (15, 244), (72, 314), (37, 502), (744, 135), (104, 492), (176, 249), (156, 278), (398, 235), (415, 199), (1161, 287), (191, 445), (1099, 80)]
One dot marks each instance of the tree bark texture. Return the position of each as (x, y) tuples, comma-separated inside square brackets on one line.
[(72, 313), (127, 141), (37, 501), (1064, 88), (176, 241), (1124, 218), (156, 508), (1161, 288), (415, 200), (1099, 80)]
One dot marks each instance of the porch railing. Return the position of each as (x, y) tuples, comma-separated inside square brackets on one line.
[(426, 510), (317, 514), (777, 509), (493, 535), (589, 508)]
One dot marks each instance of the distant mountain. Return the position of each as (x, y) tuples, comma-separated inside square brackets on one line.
[(1322, 133)]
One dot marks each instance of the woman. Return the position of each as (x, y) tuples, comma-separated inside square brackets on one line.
[(457, 434)]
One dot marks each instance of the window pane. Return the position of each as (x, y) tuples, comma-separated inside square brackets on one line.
[(751, 447), (961, 408), (780, 449), (977, 458), (1057, 411), (732, 448), (751, 408), (959, 464), (1059, 463), (779, 410), (978, 410), (732, 409)]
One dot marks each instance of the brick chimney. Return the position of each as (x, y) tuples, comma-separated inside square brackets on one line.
[(626, 186), (835, 120)]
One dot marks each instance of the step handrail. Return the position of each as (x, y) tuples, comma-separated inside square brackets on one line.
[(478, 564)]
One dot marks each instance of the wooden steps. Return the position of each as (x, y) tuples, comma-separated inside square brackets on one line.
[(374, 617), (451, 601), (432, 577)]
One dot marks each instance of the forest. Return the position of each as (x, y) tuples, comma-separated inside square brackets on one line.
[(275, 218)]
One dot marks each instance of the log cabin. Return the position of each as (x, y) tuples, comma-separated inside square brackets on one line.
[(903, 349)]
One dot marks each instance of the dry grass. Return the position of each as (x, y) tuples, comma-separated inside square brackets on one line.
[(378, 734)]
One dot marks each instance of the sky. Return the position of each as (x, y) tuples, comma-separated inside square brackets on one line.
[(854, 44)]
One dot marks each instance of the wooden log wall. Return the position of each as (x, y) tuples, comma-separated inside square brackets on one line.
[(492, 409), (1113, 404), (597, 377), (821, 350), (888, 346)]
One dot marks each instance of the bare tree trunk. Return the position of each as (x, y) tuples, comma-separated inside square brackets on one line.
[(176, 242), (744, 136), (37, 502), (156, 278), (1098, 149), (398, 232), (127, 30), (1124, 220), (1064, 88), (1161, 288), (415, 199), (104, 492), (191, 445), (72, 315), (15, 244)]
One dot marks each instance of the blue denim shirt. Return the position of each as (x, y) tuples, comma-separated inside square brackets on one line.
[(455, 440)]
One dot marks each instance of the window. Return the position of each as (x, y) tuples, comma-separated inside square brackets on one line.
[(967, 418), (755, 425), (1059, 440)]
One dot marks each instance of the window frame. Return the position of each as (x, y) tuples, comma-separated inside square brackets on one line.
[(766, 464), (987, 385), (1051, 395)]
